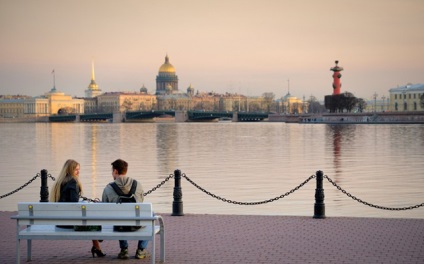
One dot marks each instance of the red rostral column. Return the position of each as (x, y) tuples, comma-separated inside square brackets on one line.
[(336, 78)]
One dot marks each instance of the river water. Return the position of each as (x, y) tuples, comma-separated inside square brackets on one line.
[(243, 162)]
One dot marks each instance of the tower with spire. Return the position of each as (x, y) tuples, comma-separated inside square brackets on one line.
[(93, 89), (336, 78)]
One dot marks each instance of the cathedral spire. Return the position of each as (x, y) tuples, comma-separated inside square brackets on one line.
[(93, 89), (92, 71), (93, 85)]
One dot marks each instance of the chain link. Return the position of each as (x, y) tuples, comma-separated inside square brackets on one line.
[(248, 203), (370, 204), (23, 186), (159, 185), (51, 177), (95, 200)]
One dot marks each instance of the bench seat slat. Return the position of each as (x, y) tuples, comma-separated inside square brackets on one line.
[(51, 232)]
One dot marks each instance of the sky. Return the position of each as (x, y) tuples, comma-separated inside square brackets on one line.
[(246, 47)]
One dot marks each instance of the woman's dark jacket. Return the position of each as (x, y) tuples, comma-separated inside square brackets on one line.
[(69, 192)]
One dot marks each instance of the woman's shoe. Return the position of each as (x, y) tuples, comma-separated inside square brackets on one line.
[(98, 252)]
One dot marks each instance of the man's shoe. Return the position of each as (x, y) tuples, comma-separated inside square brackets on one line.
[(141, 253), (123, 254)]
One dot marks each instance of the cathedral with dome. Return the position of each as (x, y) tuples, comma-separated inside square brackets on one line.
[(166, 80)]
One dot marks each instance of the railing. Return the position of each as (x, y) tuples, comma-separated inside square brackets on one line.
[(177, 205)]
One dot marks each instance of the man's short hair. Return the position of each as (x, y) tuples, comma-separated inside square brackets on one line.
[(121, 166)]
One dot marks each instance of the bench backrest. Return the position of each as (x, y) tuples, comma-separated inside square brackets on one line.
[(39, 213)]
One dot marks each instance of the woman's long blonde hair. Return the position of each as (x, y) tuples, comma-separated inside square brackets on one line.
[(65, 175)]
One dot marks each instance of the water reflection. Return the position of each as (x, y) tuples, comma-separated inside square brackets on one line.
[(166, 147), (93, 143), (338, 135)]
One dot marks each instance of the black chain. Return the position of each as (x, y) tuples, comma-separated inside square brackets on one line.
[(159, 185), (248, 203), (25, 185), (95, 200), (51, 177), (369, 204)]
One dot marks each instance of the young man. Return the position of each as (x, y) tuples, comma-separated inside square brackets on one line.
[(119, 173)]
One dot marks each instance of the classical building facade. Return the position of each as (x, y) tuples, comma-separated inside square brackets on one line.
[(53, 103), (292, 105), (166, 80), (125, 101), (406, 98), (12, 108)]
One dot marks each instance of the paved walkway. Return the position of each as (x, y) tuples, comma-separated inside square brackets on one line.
[(203, 239)]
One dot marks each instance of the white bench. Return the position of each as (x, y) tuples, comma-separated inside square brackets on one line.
[(40, 220)]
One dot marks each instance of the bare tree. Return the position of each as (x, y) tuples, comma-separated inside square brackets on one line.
[(361, 104), (268, 99)]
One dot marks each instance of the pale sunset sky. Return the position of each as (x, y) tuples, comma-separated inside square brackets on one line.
[(247, 47)]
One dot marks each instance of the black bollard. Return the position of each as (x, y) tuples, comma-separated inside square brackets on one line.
[(319, 208), (177, 204), (44, 190)]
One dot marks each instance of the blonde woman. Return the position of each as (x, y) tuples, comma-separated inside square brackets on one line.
[(68, 188)]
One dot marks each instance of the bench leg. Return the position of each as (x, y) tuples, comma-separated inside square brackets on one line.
[(18, 252), (29, 244), (153, 256), (162, 246)]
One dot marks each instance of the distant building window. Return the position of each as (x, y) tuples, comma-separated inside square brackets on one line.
[(396, 106), (415, 106), (415, 96), (405, 106), (409, 96), (395, 96)]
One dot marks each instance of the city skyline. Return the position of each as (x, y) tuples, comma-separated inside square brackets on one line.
[(245, 47)]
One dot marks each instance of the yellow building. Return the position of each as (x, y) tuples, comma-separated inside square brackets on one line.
[(12, 108), (53, 103), (125, 101), (406, 98), (291, 104)]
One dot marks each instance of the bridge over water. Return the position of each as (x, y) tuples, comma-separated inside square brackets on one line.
[(180, 116)]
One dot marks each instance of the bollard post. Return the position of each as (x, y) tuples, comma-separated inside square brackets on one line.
[(319, 207), (44, 189), (177, 204)]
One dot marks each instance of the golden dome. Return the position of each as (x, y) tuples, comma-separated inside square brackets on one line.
[(167, 67)]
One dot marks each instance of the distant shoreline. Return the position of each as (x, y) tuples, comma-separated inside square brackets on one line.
[(325, 118)]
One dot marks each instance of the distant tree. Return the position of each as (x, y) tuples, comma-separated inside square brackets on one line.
[(349, 101), (361, 104), (66, 111), (314, 106), (254, 107), (339, 103), (268, 99), (127, 105)]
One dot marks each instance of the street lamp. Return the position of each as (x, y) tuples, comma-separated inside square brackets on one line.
[(375, 101), (383, 98)]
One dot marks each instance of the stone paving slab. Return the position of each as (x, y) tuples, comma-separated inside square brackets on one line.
[(195, 238)]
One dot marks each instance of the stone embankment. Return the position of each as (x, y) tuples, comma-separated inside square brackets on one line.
[(352, 118)]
